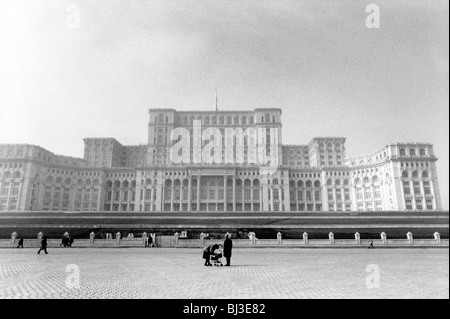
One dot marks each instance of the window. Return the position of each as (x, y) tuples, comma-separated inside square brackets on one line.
[(422, 152), (426, 188), (406, 188), (416, 186), (402, 152), (412, 152)]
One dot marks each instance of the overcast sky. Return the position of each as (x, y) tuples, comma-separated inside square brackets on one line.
[(317, 60)]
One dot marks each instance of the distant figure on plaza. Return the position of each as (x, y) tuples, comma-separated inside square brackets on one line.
[(227, 247), (150, 241), (207, 252), (371, 245), (64, 241), (43, 245), (20, 243)]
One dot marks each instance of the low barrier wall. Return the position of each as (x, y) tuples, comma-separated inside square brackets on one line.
[(176, 241)]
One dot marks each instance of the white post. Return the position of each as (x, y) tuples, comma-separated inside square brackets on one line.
[(410, 237), (384, 238), (437, 237), (91, 238), (39, 237), (331, 237), (144, 238), (252, 236), (202, 239), (358, 238), (176, 236), (118, 235), (279, 238), (13, 238), (305, 238)]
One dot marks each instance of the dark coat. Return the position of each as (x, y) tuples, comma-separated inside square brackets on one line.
[(44, 242), (227, 247), (209, 250)]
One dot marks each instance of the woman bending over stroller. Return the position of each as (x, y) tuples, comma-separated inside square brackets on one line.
[(207, 252)]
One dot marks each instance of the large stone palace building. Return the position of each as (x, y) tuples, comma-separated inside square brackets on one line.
[(313, 177)]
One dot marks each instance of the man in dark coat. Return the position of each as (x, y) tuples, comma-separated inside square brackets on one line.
[(43, 245), (20, 243), (227, 247)]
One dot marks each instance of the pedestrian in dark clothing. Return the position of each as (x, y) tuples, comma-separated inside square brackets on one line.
[(371, 245), (207, 252), (63, 242), (20, 243), (227, 247), (43, 245), (70, 241)]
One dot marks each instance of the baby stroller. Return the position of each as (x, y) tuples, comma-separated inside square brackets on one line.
[(216, 257)]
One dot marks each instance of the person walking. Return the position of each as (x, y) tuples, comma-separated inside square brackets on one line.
[(43, 245), (227, 247), (371, 245), (70, 241), (20, 243)]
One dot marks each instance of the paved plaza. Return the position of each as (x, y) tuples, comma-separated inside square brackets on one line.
[(256, 273)]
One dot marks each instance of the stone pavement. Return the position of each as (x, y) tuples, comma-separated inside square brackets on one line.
[(256, 273)]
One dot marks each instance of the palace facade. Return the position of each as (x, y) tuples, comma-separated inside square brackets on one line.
[(313, 177)]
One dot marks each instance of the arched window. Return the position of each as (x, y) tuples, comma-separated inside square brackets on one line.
[(412, 152), (405, 174), (212, 184), (177, 183), (16, 174), (267, 117), (345, 182), (125, 184), (228, 119), (422, 152), (236, 120), (67, 181), (58, 180), (207, 120), (221, 120), (148, 181), (402, 152), (251, 121), (109, 184), (366, 180), (168, 183), (415, 174), (308, 183), (329, 182), (214, 120), (357, 181), (275, 181), (247, 182), (375, 179), (425, 174), (244, 120), (256, 182), (337, 182), (317, 184)]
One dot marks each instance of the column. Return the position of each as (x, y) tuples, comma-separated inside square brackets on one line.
[(198, 192), (172, 197), (189, 194), (234, 193), (225, 191)]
